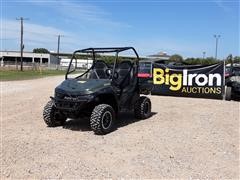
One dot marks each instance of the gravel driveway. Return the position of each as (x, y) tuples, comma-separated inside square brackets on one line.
[(184, 138)]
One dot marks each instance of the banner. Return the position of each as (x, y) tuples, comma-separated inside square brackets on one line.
[(187, 81)]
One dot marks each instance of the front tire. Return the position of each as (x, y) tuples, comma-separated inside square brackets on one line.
[(51, 117), (102, 119), (228, 93), (142, 108)]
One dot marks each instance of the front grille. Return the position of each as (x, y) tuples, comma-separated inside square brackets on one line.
[(67, 102), (67, 105), (67, 97), (70, 98), (70, 102)]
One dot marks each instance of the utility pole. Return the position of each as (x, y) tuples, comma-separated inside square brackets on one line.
[(21, 44), (58, 47), (217, 38), (204, 53)]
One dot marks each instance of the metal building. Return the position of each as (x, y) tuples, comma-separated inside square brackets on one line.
[(9, 58)]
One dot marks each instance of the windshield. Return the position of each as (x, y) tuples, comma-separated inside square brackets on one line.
[(234, 71), (82, 66), (145, 67)]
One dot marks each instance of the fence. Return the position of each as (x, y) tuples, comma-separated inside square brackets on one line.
[(11, 65)]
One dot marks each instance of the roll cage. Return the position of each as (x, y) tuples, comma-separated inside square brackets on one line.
[(94, 52)]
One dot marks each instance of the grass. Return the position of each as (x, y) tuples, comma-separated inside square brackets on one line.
[(11, 75)]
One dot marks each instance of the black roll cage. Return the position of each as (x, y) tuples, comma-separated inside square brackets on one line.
[(117, 50)]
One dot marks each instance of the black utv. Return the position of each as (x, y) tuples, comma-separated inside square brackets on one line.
[(232, 81), (101, 92)]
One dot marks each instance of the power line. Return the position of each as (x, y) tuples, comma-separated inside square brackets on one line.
[(21, 44), (8, 39), (40, 33)]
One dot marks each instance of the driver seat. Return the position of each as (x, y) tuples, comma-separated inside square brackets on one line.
[(99, 70)]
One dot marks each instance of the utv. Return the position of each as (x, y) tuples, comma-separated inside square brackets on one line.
[(232, 81), (101, 92)]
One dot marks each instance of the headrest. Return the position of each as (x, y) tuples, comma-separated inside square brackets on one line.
[(100, 65), (125, 65)]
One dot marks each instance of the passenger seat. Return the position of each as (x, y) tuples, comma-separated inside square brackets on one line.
[(124, 68)]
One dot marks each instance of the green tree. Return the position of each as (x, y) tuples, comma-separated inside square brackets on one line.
[(40, 50), (229, 59), (236, 59), (201, 61), (176, 58), (210, 60)]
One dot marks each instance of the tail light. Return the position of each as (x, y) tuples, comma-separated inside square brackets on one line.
[(144, 75)]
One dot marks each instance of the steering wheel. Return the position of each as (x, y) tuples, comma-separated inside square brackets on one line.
[(109, 73)]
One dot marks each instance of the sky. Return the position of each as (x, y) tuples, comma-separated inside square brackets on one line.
[(174, 26)]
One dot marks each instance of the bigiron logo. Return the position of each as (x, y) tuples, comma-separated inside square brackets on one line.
[(188, 83)]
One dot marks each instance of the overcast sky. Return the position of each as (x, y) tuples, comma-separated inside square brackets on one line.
[(183, 27)]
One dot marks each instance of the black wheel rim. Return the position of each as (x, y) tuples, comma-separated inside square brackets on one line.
[(146, 108), (106, 120)]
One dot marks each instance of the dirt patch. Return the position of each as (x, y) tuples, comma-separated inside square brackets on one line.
[(184, 138)]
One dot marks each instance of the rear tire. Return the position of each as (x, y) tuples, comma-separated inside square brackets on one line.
[(228, 93), (51, 117), (142, 108), (102, 119)]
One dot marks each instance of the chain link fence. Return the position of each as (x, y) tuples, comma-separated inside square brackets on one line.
[(11, 65)]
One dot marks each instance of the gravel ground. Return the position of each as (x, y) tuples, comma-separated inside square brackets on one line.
[(184, 138)]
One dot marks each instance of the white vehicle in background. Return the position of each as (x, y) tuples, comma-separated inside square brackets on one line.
[(81, 63)]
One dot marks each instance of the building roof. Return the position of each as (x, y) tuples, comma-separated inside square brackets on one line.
[(25, 54), (160, 55)]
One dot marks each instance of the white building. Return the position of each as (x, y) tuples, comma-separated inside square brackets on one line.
[(14, 57), (160, 56), (81, 63)]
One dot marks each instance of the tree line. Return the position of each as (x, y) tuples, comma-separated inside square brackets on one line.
[(203, 61)]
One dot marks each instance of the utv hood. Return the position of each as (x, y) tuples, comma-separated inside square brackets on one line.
[(83, 86)]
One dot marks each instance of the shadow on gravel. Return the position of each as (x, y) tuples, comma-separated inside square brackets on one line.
[(236, 99), (126, 118), (77, 125), (123, 119)]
